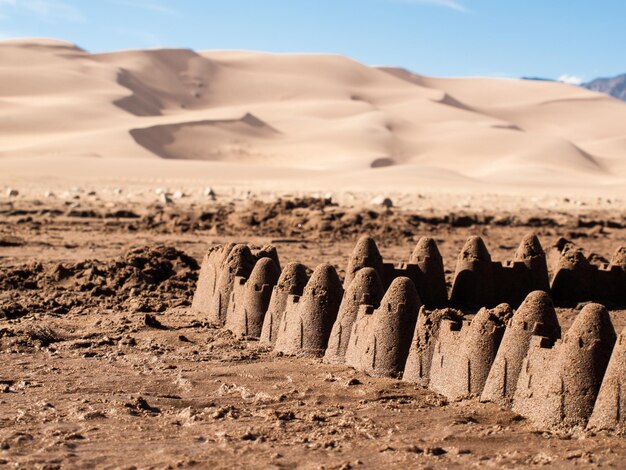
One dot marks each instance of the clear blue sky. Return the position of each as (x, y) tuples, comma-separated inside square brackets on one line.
[(543, 38)]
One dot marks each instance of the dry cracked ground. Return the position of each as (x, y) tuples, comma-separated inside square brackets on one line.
[(104, 364)]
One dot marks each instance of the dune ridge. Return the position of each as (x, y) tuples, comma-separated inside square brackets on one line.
[(304, 113)]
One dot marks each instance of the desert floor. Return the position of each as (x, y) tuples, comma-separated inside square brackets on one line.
[(105, 365)]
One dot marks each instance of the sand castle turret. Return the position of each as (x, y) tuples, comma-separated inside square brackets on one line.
[(573, 278), (364, 255), (473, 279), (465, 352), (535, 317), (530, 253), (207, 279), (292, 281), (238, 263), (609, 411), (417, 368), (269, 251), (431, 281), (365, 289), (250, 299), (558, 385), (381, 338), (308, 320)]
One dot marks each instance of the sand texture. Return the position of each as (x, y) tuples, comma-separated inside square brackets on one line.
[(295, 120)]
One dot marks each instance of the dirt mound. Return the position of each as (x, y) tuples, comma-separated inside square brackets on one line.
[(149, 278)]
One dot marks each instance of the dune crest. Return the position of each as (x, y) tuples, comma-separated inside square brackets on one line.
[(305, 112)]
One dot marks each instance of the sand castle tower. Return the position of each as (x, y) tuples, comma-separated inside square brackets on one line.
[(365, 289), (308, 320), (292, 281), (364, 255), (558, 385), (431, 284), (207, 279), (417, 368), (609, 411), (535, 317), (530, 253), (250, 299), (238, 263), (381, 338), (473, 279), (269, 251), (465, 352), (573, 278)]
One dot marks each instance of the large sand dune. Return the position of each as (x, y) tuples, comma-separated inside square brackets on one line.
[(324, 120)]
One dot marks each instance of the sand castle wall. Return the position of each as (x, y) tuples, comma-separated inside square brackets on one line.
[(517, 360)]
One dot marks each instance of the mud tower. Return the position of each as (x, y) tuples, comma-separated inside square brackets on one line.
[(535, 317), (609, 411), (364, 255), (381, 338), (365, 289), (465, 352), (292, 281), (431, 280), (473, 280), (250, 299), (308, 320), (558, 386)]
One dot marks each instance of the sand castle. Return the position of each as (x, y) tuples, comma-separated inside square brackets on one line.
[(381, 325)]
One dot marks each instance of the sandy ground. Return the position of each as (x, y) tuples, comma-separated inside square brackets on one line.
[(89, 380)]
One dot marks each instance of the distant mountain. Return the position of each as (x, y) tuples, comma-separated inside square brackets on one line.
[(615, 86)]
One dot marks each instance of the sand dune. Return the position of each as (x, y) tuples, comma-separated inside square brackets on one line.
[(308, 115)]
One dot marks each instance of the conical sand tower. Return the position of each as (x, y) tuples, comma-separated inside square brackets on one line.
[(572, 280), (207, 279), (365, 289), (609, 411), (381, 338), (417, 368), (250, 299), (364, 255), (308, 320), (464, 353), (473, 280), (558, 386), (535, 317), (292, 281), (238, 263), (431, 283)]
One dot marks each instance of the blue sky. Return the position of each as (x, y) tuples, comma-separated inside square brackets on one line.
[(543, 38)]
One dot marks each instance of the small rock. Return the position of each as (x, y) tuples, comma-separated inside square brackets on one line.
[(383, 201), (152, 322), (12, 192), (179, 195), (353, 382), (436, 451), (165, 198), (208, 192)]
